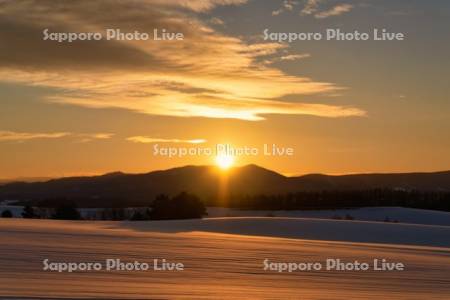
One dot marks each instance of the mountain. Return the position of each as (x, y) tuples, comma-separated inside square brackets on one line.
[(207, 182)]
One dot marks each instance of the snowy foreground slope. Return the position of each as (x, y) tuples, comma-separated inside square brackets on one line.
[(312, 229), (379, 214), (223, 259)]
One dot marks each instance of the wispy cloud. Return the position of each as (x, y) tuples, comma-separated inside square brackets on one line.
[(208, 74), (197, 5), (335, 11), (288, 57), (149, 140), (216, 21), (26, 136), (288, 5), (295, 56), (312, 7), (87, 137)]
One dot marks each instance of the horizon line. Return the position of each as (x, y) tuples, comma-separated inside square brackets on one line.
[(287, 175)]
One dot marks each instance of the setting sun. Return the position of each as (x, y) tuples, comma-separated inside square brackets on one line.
[(224, 161)]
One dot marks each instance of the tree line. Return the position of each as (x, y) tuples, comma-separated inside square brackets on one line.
[(344, 199), (186, 205), (163, 207)]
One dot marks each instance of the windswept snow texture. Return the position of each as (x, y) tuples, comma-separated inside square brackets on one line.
[(223, 266)]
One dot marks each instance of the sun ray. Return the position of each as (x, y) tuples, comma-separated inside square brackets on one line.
[(224, 161)]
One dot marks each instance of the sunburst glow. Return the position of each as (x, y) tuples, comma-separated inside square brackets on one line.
[(224, 161)]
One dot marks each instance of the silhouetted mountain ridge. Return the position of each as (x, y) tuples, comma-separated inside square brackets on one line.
[(207, 182)]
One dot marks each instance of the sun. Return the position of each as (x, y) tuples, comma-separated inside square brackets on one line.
[(224, 161)]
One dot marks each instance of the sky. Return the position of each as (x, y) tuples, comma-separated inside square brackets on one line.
[(92, 107)]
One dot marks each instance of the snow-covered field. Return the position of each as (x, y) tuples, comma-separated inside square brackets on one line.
[(312, 229), (223, 259), (379, 214)]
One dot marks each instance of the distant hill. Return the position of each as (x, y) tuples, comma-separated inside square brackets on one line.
[(24, 179), (206, 182)]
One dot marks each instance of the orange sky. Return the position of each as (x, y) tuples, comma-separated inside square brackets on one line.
[(91, 107)]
